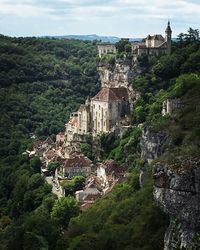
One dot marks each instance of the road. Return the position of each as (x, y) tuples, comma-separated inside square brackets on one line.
[(54, 188)]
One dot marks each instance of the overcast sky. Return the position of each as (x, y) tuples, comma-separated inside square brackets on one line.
[(123, 18)]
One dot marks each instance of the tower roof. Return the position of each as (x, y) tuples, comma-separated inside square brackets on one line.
[(168, 29)]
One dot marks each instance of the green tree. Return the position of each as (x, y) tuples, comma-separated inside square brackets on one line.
[(52, 166), (36, 164), (79, 182), (86, 149), (64, 209)]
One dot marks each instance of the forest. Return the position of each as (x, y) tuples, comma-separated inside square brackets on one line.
[(42, 81)]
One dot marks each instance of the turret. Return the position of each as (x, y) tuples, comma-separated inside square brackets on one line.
[(87, 102), (168, 38)]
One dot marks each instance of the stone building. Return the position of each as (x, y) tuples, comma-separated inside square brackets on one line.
[(71, 127), (171, 105), (76, 165), (108, 106), (154, 45), (60, 138), (109, 172), (39, 147), (106, 48), (99, 115), (84, 118)]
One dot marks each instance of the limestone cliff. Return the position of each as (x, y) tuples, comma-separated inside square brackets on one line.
[(176, 189), (116, 75), (153, 144)]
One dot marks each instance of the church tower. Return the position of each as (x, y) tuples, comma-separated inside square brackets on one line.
[(168, 38)]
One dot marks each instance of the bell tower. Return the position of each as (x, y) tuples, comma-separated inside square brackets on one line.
[(168, 38)]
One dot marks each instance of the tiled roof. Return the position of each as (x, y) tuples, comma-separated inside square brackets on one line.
[(50, 154), (82, 107), (156, 37), (112, 166), (92, 197), (78, 160), (94, 181), (112, 94)]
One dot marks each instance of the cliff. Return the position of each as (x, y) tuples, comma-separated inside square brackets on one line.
[(176, 189), (153, 144), (116, 75)]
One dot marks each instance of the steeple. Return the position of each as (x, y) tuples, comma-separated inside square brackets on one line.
[(168, 38), (168, 29)]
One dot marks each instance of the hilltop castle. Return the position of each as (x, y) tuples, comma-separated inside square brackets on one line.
[(110, 107), (152, 45)]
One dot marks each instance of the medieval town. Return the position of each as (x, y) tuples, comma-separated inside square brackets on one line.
[(107, 112)]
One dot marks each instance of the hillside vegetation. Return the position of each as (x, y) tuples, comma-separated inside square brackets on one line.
[(56, 76), (41, 82)]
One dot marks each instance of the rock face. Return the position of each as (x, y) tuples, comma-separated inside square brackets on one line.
[(176, 190), (117, 75), (178, 194), (152, 144)]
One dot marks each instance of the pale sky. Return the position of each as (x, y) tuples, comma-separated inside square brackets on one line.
[(122, 18)]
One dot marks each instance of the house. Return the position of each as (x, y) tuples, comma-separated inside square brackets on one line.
[(76, 165), (109, 172), (49, 155), (90, 193), (106, 48), (41, 146)]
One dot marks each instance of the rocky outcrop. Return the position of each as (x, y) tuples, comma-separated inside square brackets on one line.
[(177, 191), (117, 75), (153, 144)]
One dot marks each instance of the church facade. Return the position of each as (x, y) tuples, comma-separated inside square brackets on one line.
[(108, 107), (100, 114)]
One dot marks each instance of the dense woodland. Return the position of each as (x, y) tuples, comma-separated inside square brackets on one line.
[(42, 81)]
